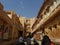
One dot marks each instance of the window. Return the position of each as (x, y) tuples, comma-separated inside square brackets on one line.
[(55, 26), (47, 9), (41, 16), (45, 12), (50, 28)]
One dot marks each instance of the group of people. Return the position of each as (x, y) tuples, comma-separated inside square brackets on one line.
[(27, 40), (45, 41)]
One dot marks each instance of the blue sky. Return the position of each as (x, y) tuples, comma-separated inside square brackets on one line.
[(27, 8)]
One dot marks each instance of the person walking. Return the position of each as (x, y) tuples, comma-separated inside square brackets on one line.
[(35, 42), (46, 41), (28, 39), (21, 40)]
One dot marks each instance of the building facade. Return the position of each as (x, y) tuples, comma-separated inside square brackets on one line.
[(48, 19), (9, 24), (5, 24)]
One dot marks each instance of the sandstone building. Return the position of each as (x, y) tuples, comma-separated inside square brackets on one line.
[(48, 19), (47, 22)]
